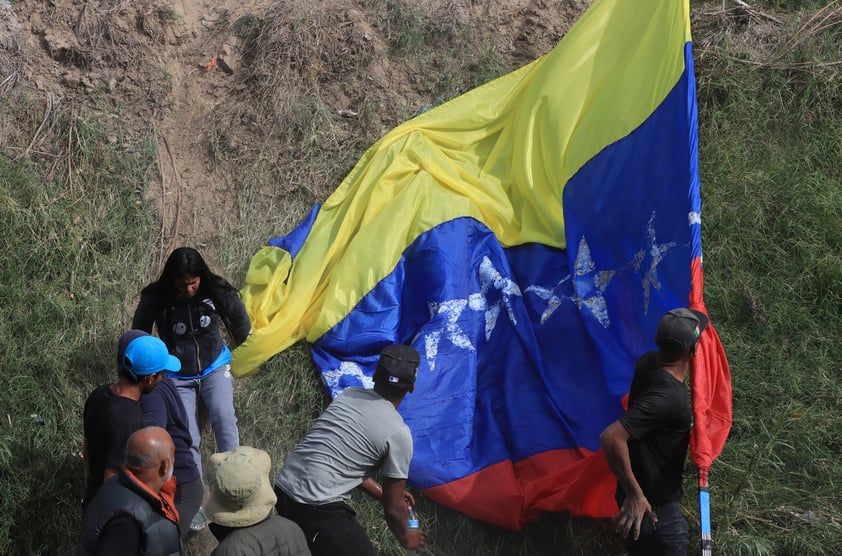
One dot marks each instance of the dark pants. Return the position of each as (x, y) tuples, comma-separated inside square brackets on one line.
[(668, 537), (331, 529), (188, 499)]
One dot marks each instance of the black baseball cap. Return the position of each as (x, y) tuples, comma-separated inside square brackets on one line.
[(397, 366), (679, 330)]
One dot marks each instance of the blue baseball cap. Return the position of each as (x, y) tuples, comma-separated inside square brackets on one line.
[(147, 355)]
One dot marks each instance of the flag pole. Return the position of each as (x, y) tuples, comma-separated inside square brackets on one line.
[(704, 512)]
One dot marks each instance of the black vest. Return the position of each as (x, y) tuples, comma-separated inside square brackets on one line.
[(118, 496)]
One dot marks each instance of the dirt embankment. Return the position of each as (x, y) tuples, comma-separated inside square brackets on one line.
[(182, 68)]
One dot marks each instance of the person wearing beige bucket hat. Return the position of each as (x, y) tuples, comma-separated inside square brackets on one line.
[(241, 507)]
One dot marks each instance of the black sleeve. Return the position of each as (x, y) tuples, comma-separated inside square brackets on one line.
[(146, 312), (648, 413), (234, 314), (121, 535)]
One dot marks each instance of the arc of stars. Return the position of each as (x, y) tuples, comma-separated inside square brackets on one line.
[(589, 285)]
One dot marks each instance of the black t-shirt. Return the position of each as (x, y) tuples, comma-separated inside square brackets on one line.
[(659, 420), (109, 420)]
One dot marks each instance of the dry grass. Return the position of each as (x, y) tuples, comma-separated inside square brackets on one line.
[(295, 54), (753, 36)]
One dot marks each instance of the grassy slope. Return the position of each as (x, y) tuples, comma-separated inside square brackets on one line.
[(770, 162), (771, 159)]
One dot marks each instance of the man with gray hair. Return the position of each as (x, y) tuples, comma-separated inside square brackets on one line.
[(133, 513)]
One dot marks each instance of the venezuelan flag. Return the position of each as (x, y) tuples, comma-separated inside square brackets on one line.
[(525, 238)]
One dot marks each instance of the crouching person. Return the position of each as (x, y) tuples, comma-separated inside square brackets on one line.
[(133, 513), (241, 508), (358, 434)]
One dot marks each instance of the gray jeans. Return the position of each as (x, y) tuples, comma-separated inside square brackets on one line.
[(216, 391)]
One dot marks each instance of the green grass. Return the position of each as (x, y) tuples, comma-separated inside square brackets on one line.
[(80, 237), (73, 235), (167, 13), (770, 138)]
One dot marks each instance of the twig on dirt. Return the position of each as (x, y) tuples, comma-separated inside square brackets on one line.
[(817, 15), (70, 156), (768, 522), (48, 109), (800, 66), (174, 232), (77, 29), (33, 151), (117, 7), (751, 10), (163, 196)]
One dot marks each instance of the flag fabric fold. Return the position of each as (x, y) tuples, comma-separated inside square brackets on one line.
[(525, 238)]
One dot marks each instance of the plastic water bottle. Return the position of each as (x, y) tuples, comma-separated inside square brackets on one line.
[(412, 523)]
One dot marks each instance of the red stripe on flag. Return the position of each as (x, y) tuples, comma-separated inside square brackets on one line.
[(511, 494)]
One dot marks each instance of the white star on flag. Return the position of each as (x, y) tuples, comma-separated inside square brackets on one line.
[(657, 252), (333, 378), (549, 295), (451, 310), (589, 284), (490, 279)]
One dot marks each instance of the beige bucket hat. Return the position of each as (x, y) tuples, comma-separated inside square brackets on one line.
[(240, 492)]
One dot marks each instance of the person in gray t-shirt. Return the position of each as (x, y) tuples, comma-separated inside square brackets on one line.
[(359, 433)]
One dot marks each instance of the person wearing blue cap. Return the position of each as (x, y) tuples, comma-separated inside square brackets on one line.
[(163, 407), (112, 411), (647, 446)]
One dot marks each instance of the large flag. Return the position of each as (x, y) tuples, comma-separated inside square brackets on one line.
[(525, 238)]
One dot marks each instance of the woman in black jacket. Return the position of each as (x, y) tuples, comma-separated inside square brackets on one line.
[(187, 305)]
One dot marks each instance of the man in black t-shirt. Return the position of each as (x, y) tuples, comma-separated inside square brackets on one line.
[(112, 411), (646, 447)]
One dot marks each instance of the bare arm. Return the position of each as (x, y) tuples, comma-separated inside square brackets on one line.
[(614, 440), (372, 488), (394, 500)]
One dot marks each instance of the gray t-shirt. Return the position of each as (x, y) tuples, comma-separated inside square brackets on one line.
[(357, 433)]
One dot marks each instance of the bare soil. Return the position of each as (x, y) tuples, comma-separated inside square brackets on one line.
[(180, 67)]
